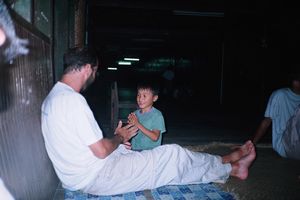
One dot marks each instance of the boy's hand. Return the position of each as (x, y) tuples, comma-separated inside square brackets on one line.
[(132, 119)]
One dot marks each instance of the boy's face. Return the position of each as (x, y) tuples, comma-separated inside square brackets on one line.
[(145, 99)]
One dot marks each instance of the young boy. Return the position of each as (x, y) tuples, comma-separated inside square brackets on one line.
[(147, 119)]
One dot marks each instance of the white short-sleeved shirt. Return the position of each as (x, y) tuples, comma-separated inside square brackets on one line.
[(69, 127), (280, 108)]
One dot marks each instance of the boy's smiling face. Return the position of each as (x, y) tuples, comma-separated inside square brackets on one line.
[(145, 99)]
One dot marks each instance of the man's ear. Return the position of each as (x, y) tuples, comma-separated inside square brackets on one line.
[(87, 67), (86, 70)]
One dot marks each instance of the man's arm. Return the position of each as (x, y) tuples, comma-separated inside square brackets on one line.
[(262, 129), (104, 147)]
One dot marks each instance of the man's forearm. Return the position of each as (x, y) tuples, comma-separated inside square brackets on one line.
[(106, 146), (118, 139), (112, 143)]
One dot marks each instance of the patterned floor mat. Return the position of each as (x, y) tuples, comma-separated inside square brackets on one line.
[(170, 192)]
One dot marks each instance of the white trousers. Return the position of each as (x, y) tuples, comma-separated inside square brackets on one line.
[(4, 193), (128, 171)]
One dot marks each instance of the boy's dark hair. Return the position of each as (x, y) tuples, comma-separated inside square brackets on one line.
[(147, 85), (77, 57)]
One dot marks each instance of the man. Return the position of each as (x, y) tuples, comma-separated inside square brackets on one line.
[(84, 160), (281, 107)]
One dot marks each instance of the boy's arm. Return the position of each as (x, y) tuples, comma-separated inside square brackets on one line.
[(152, 134)]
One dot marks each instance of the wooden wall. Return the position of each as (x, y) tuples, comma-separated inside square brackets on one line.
[(24, 165)]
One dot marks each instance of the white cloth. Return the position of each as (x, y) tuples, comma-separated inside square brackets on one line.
[(69, 127), (280, 108), (4, 193), (128, 171)]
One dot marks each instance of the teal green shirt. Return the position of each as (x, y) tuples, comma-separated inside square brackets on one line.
[(152, 120)]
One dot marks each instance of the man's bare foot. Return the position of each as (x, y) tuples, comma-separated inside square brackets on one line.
[(240, 168), (240, 152)]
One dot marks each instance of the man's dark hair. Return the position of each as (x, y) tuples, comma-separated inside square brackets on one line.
[(77, 57), (147, 85)]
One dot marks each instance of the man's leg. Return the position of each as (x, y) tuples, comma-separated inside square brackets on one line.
[(240, 152), (240, 168), (131, 171)]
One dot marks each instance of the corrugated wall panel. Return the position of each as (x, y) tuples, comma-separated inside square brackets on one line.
[(24, 165)]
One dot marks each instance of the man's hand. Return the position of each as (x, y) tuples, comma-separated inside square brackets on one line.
[(126, 132), (106, 146)]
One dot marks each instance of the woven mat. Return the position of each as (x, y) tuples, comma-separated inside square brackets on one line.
[(170, 192)]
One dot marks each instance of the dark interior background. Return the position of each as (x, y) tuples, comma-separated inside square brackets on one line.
[(227, 56)]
